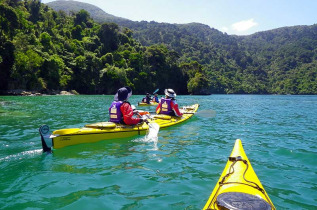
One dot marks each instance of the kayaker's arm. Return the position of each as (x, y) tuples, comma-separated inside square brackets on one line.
[(176, 109), (127, 113), (158, 108)]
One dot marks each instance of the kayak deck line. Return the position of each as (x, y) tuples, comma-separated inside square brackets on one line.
[(234, 160), (238, 185), (105, 130), (100, 133)]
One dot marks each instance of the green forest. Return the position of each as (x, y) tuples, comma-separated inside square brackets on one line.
[(43, 50)]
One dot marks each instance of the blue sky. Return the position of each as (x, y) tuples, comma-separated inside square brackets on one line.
[(240, 17)]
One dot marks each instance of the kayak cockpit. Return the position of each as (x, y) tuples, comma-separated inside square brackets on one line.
[(241, 201)]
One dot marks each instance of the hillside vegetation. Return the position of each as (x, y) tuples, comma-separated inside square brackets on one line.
[(44, 49)]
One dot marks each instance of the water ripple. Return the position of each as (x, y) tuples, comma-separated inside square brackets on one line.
[(175, 170)]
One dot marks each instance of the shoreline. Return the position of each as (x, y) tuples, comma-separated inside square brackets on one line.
[(20, 92), (73, 92)]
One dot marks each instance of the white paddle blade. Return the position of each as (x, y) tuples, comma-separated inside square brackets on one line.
[(153, 130)]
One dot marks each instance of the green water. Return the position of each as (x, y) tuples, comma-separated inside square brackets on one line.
[(178, 171)]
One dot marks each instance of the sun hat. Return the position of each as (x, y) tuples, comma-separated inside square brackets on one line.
[(170, 93), (123, 94)]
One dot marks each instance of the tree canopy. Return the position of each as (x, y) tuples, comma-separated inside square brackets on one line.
[(42, 49)]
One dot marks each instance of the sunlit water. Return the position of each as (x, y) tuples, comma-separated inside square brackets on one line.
[(175, 170)]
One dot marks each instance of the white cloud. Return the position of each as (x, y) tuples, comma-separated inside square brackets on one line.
[(224, 29), (244, 25)]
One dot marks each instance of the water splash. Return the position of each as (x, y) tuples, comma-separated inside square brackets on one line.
[(153, 130), (22, 155), (151, 135)]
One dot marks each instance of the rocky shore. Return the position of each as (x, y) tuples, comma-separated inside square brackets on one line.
[(38, 93)]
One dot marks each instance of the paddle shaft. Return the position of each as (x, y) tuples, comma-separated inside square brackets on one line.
[(202, 113), (183, 112), (155, 91)]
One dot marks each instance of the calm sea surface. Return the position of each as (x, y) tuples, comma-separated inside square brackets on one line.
[(178, 171)]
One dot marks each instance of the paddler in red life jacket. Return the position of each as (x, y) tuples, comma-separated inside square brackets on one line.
[(168, 105), (121, 111)]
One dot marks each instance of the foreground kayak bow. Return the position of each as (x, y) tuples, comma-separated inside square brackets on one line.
[(239, 186), (107, 130)]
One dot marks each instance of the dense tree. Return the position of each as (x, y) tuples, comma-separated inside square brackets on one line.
[(112, 78), (35, 7), (109, 38), (51, 72), (82, 18), (6, 63), (26, 69), (199, 84), (41, 49), (8, 21)]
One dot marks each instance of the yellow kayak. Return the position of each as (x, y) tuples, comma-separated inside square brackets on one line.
[(239, 186), (107, 130), (152, 103)]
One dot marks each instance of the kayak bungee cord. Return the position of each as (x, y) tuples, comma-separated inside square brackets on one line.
[(231, 171), (235, 160)]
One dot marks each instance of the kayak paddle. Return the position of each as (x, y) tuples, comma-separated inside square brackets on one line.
[(202, 113), (155, 91)]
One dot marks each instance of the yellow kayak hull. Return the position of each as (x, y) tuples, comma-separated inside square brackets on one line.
[(105, 130), (235, 182), (146, 104)]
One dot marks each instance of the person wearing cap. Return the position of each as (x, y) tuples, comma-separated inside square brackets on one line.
[(168, 105), (121, 110), (155, 98), (147, 99)]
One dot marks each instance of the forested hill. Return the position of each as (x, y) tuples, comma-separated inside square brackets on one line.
[(44, 50), (96, 13), (41, 49), (279, 61)]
